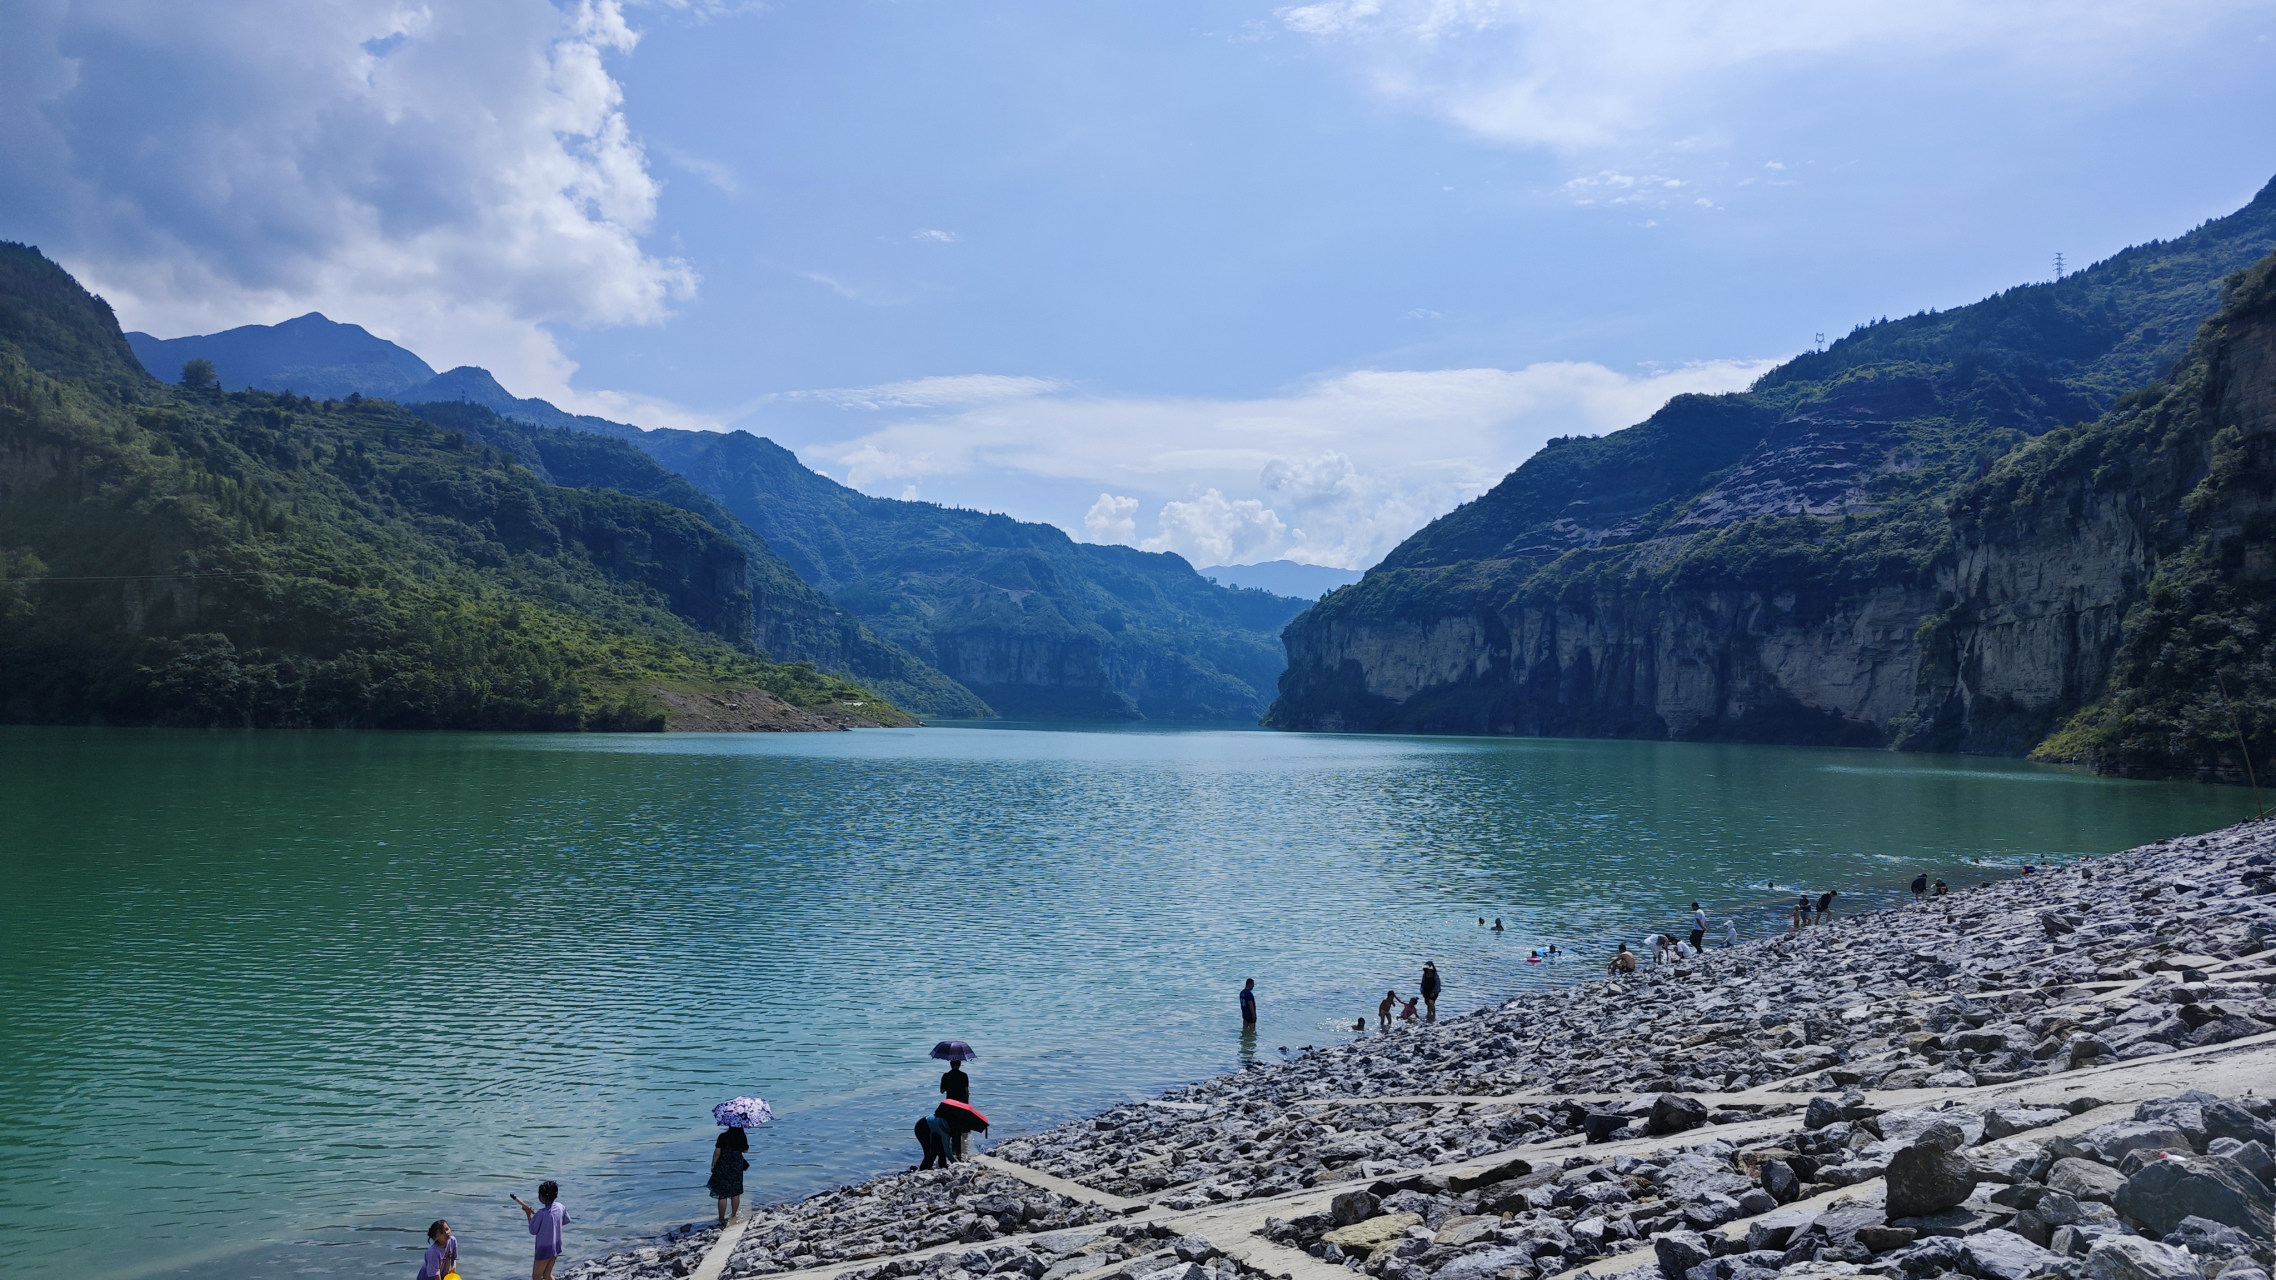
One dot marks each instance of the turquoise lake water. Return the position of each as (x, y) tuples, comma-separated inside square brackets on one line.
[(269, 1003)]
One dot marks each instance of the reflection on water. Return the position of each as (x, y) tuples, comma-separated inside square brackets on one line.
[(273, 1002)]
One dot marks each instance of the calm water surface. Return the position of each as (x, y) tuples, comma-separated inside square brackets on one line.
[(270, 1003)]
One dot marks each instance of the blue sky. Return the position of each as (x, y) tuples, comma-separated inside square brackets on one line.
[(1239, 280)]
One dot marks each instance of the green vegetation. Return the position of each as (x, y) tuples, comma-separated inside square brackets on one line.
[(192, 557), (1034, 622), (1844, 475), (2193, 684)]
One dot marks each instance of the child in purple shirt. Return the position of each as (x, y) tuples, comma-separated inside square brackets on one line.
[(442, 1253), (545, 1222)]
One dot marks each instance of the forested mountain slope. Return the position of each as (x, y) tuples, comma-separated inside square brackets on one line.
[(188, 556), (1038, 624), (948, 612), (1760, 566)]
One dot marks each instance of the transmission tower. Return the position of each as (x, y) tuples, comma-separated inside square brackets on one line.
[(1820, 342), (2058, 266)]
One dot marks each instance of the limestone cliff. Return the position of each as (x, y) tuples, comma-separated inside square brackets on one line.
[(1868, 547)]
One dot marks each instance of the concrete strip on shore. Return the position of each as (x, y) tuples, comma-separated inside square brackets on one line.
[(1060, 1186), (714, 1262)]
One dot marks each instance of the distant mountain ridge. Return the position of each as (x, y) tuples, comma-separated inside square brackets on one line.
[(307, 355), (1791, 563), (945, 611), (1282, 577)]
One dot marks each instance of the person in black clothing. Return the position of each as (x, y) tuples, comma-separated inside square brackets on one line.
[(955, 1083), (1430, 989), (727, 1165), (1249, 1005), (1920, 886)]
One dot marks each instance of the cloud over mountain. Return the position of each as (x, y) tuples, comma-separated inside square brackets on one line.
[(456, 176)]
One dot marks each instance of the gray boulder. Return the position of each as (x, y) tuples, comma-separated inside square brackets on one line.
[(1678, 1252), (2226, 1119), (2252, 1156), (2004, 1255), (1353, 1206), (2207, 1238), (1484, 1264), (2006, 1122), (2085, 1180), (1929, 1175), (1822, 1112), (2133, 1258), (2109, 1143), (1780, 1180), (1674, 1113), (2185, 1114), (2166, 1191)]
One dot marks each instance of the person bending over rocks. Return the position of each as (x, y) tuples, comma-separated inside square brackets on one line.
[(1920, 887), (1825, 904), (1624, 961)]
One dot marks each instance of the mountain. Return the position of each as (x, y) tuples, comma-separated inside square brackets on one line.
[(309, 355), (1282, 578), (791, 620), (2127, 570), (1000, 614), (191, 556), (1039, 625), (1774, 565)]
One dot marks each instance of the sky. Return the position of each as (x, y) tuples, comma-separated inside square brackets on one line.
[(1242, 281)]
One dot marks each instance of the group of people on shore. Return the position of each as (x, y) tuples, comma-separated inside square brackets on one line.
[(546, 1218)]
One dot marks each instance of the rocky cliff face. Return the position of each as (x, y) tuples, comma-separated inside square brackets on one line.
[(1900, 550), (2125, 573)]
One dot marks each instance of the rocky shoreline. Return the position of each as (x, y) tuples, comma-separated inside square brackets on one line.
[(1955, 1086)]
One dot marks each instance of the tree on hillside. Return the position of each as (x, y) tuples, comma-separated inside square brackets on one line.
[(198, 374)]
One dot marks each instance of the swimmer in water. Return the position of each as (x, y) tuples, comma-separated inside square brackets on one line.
[(1497, 924), (1359, 1024)]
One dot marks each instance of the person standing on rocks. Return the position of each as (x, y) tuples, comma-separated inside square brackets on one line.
[(1920, 887), (1698, 928), (1383, 1010), (1248, 1008), (727, 1166), (1825, 904), (1801, 911), (1430, 990)]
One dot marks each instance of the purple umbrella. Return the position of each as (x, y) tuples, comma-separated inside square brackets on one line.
[(954, 1051), (743, 1113)]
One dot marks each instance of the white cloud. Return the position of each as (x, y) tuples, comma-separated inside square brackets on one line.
[(455, 176), (932, 393), (938, 237), (1212, 529), (1335, 471), (1112, 519), (1620, 72)]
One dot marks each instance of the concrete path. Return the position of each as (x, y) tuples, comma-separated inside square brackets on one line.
[(1051, 1182), (715, 1258)]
